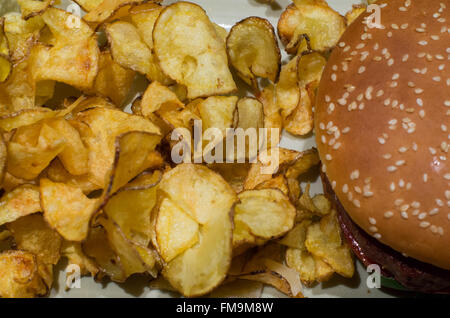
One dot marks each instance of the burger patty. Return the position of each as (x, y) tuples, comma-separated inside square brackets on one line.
[(411, 273)]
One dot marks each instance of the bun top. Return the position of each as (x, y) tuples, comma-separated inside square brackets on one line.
[(383, 126)]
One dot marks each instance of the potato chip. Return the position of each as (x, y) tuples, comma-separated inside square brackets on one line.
[(32, 234), (113, 81), (218, 112), (108, 9), (5, 68), (158, 97), (301, 162), (97, 247), (251, 113), (238, 289), (129, 51), (253, 50), (88, 5), (28, 160), (233, 173), (20, 278), (67, 209), (354, 13), (206, 198), (105, 125), (73, 59), (22, 201), (175, 230), (314, 18), (279, 182), (300, 121), (31, 8), (323, 240), (268, 212), (310, 68), (131, 209), (296, 237), (130, 260), (144, 18), (135, 152), (200, 64), (3, 156), (74, 254), (287, 89)]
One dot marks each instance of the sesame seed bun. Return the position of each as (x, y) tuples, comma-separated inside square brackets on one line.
[(383, 127)]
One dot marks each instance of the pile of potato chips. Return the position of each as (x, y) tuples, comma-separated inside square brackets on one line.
[(86, 181)]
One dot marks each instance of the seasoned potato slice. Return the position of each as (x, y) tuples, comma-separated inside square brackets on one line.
[(23, 200), (198, 61)]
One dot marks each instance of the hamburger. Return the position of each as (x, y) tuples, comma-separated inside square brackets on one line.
[(382, 124)]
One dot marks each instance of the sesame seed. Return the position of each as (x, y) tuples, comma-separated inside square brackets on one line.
[(389, 214), (404, 215), (377, 236), (424, 224), (345, 188)]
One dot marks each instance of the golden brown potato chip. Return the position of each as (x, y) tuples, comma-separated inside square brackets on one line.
[(3, 156), (74, 254), (157, 97), (131, 209), (129, 51), (268, 212), (20, 277), (21, 201), (73, 59), (5, 68), (144, 18), (303, 262), (108, 9), (97, 247), (313, 18), (112, 81), (301, 162), (106, 125), (296, 237), (67, 209), (253, 50), (135, 152), (31, 8), (218, 112), (279, 182), (175, 230), (251, 113), (27, 159), (238, 289), (324, 241), (206, 198), (354, 13), (287, 88), (200, 65), (88, 5), (310, 68), (130, 260), (300, 121), (233, 173), (32, 234)]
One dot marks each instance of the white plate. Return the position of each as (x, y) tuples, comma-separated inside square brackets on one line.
[(226, 13)]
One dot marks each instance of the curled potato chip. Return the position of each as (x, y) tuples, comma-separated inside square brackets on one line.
[(251, 113), (175, 230), (108, 9), (21, 201), (144, 17), (31, 8), (98, 248), (156, 97), (67, 209), (32, 234), (206, 198), (5, 68), (131, 208), (287, 88), (200, 65), (73, 59), (113, 80), (27, 158), (300, 121), (310, 268), (253, 50), (324, 241), (218, 112), (267, 212), (105, 126), (233, 173), (279, 182), (88, 5), (74, 254), (20, 277), (314, 18), (296, 237)]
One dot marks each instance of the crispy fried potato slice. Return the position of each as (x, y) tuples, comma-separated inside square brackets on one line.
[(218, 112), (130, 260), (175, 230), (20, 277), (131, 208), (106, 125), (144, 18), (135, 152), (3, 156), (88, 5), (324, 241), (233, 173), (268, 212), (74, 254), (251, 113), (113, 81), (98, 247), (301, 162), (5, 68), (73, 59), (253, 50), (109, 9), (156, 97), (296, 237), (279, 182), (310, 68), (200, 65), (300, 121), (31, 8), (313, 18), (208, 200), (67, 209), (287, 88), (32, 234), (354, 13), (23, 200), (238, 289)]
